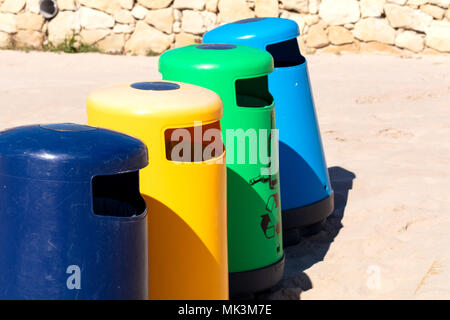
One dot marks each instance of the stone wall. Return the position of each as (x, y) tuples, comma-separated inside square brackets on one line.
[(144, 27)]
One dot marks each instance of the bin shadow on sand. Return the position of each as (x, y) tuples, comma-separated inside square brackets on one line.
[(313, 249)]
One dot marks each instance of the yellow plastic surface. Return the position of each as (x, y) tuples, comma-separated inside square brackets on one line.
[(186, 201)]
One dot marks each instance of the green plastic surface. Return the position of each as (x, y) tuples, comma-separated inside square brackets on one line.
[(253, 199)]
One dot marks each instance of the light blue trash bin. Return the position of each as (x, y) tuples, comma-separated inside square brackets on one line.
[(306, 194)]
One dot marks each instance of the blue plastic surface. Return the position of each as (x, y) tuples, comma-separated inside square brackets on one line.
[(216, 46), (256, 32), (52, 244), (155, 86), (303, 171)]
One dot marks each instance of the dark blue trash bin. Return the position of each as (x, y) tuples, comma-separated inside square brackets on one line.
[(72, 221), (306, 194)]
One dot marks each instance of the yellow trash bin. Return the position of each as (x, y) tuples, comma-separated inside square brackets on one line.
[(184, 184)]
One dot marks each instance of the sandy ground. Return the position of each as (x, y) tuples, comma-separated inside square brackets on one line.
[(385, 123)]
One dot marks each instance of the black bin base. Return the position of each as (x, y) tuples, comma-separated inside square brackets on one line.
[(254, 281), (306, 221)]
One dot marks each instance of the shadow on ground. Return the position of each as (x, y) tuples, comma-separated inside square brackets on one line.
[(313, 249)]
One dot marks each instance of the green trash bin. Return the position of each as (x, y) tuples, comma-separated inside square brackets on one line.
[(239, 75)]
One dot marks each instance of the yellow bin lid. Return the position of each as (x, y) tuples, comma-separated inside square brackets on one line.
[(176, 102)]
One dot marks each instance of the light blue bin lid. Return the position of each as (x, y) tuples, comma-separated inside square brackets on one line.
[(254, 32)]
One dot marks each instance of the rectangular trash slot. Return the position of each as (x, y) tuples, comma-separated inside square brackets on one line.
[(117, 195), (194, 144), (253, 92), (286, 53)]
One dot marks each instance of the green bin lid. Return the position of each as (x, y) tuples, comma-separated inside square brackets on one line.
[(230, 61)]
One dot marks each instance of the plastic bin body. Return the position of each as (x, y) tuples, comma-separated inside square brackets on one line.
[(254, 215), (52, 244), (307, 196), (186, 200)]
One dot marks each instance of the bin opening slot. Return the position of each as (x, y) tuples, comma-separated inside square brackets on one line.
[(194, 144), (253, 92), (117, 195), (286, 53)]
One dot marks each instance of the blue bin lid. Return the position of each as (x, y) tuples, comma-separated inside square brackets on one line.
[(254, 32), (68, 152)]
